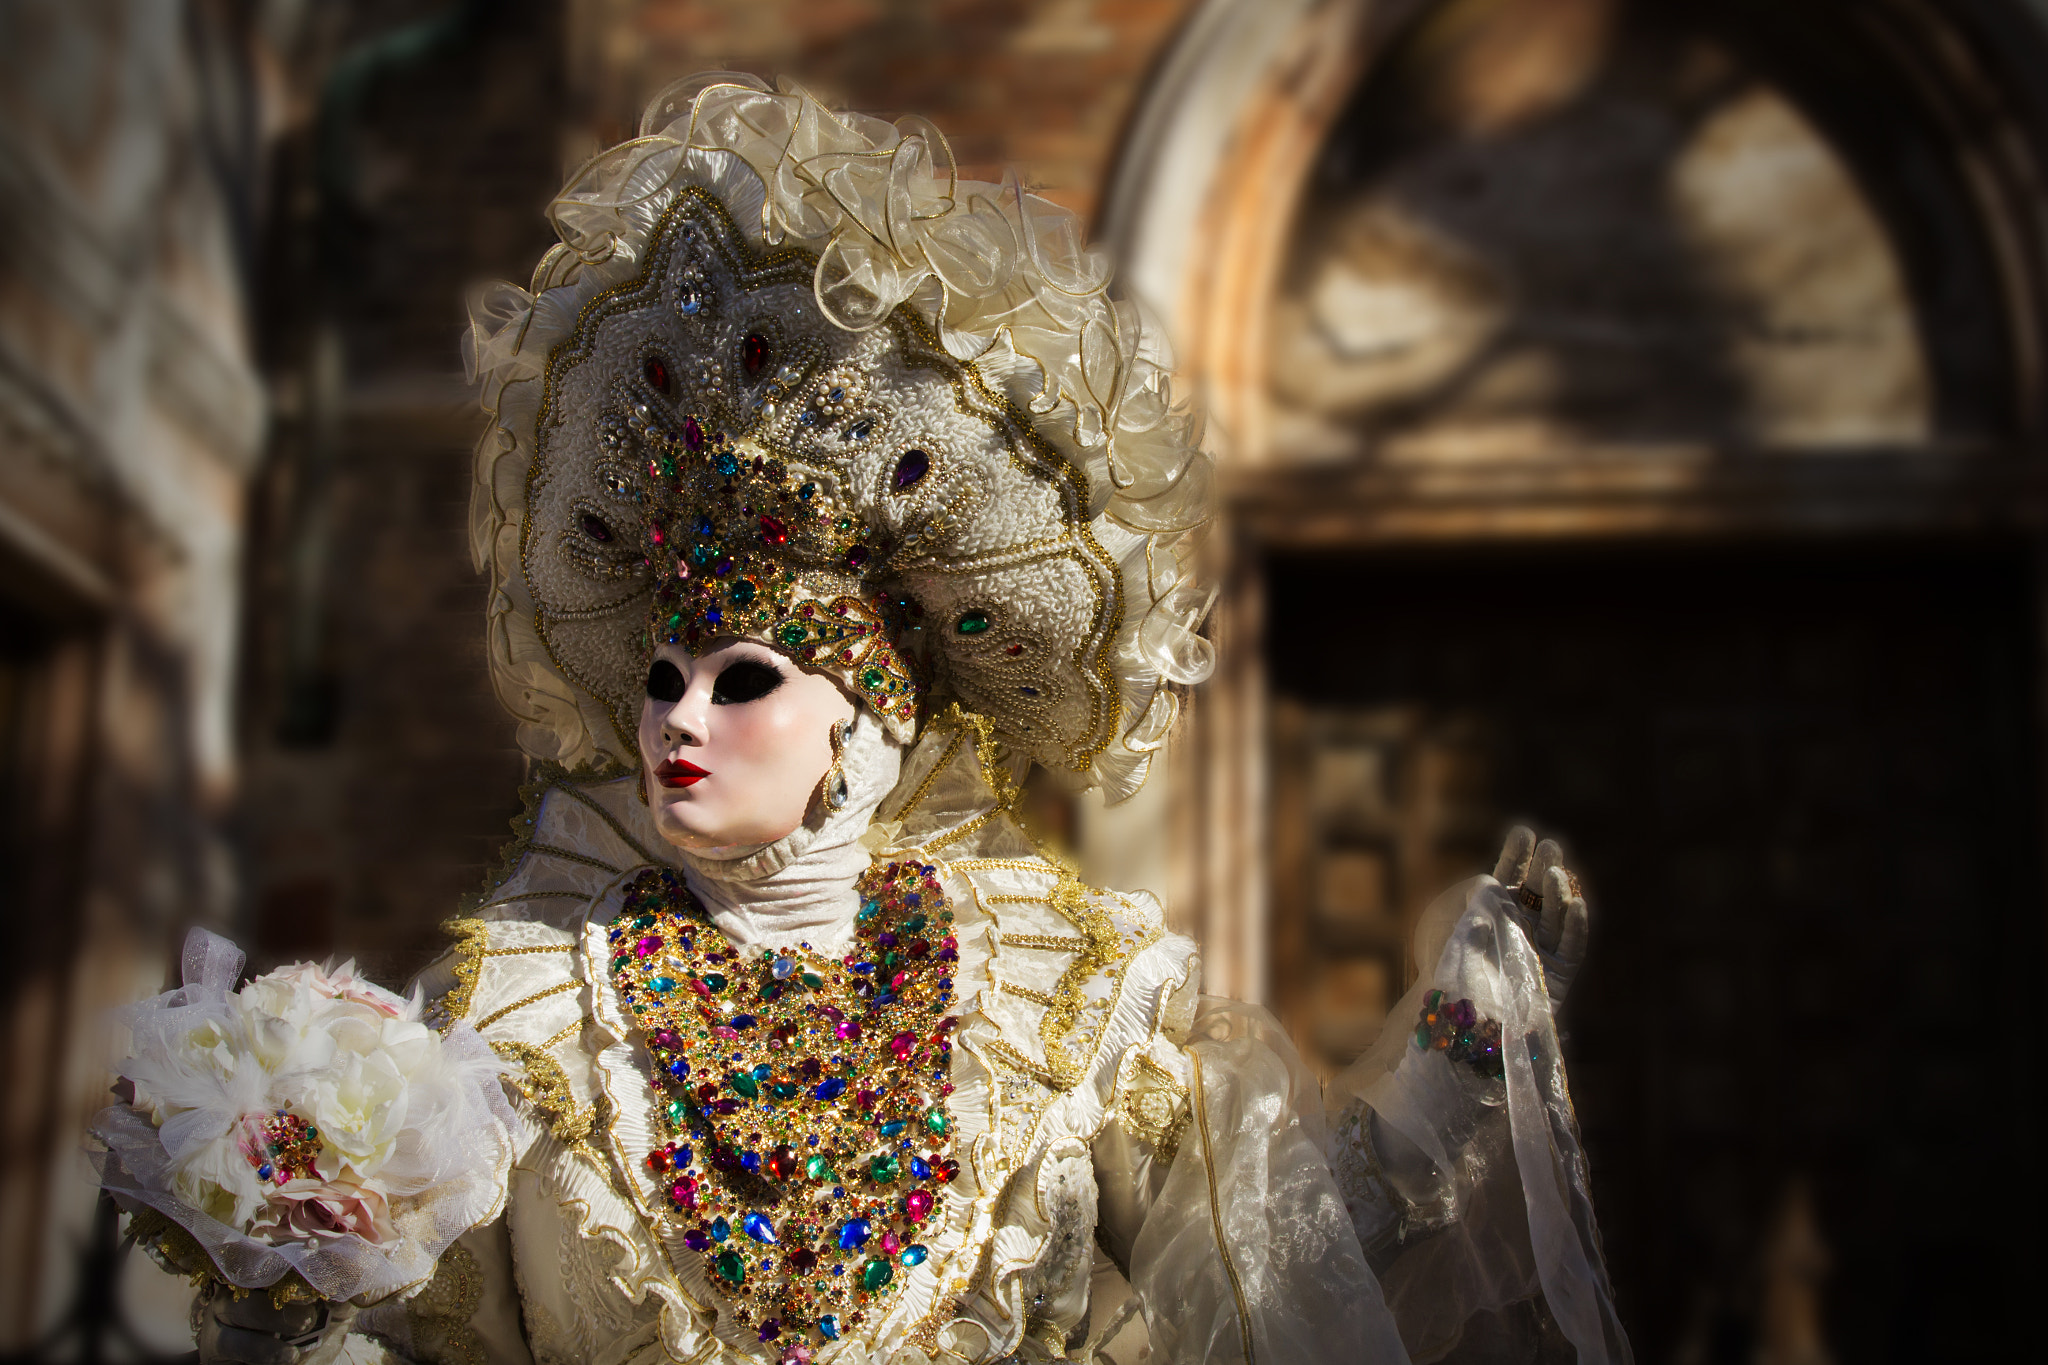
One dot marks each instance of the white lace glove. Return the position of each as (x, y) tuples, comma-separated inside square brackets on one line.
[(250, 1331), (1548, 905)]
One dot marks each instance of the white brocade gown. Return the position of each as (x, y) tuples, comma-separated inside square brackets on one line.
[(1146, 1174)]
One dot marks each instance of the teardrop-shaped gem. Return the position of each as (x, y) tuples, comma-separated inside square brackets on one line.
[(596, 528), (731, 1266), (759, 1228), (917, 1205), (782, 1162), (973, 623), (656, 371), (875, 1274), (774, 531), (854, 1235), (754, 353), (914, 1254), (693, 434), (911, 467)]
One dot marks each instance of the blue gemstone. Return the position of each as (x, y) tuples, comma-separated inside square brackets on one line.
[(662, 983), (751, 1161), (703, 526), (783, 967), (913, 1255), (854, 1235), (828, 1326), (762, 1072), (725, 463), (892, 1128), (684, 1156), (886, 998), (720, 1229), (678, 1068), (920, 1168), (689, 305), (759, 1228), (862, 967), (264, 1172), (741, 1021), (830, 1089), (869, 909), (713, 616)]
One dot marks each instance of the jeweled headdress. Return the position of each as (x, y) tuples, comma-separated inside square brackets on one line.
[(788, 377)]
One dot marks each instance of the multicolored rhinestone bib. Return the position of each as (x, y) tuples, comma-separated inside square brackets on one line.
[(803, 1096)]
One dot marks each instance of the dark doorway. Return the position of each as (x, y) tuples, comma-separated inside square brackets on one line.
[(1799, 787)]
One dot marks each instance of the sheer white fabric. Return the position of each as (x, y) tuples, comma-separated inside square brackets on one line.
[(1247, 1254)]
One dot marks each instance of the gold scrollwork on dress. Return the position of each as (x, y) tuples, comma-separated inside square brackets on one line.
[(440, 1313)]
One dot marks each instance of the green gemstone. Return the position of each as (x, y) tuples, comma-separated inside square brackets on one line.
[(892, 959), (873, 678), (620, 962), (973, 623), (875, 1274), (793, 633), (914, 923), (644, 922), (784, 1090), (814, 981), (744, 1084), (713, 980), (937, 1121), (677, 1112), (884, 1169), (732, 1267), (817, 1168), (742, 592)]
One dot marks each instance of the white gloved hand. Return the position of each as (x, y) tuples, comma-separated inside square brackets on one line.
[(250, 1331), (1548, 905)]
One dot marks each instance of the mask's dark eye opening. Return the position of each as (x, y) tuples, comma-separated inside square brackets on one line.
[(746, 680), (665, 682)]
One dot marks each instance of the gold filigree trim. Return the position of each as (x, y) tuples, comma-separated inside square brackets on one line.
[(545, 1084), (1017, 1061), (1201, 1109), (1050, 943), (1156, 1113), (524, 1001), (472, 940), (537, 948), (1023, 992), (550, 851)]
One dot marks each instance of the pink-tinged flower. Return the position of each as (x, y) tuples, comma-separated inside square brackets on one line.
[(327, 1209), (337, 983)]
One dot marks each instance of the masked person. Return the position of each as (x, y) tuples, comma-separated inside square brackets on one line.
[(825, 492)]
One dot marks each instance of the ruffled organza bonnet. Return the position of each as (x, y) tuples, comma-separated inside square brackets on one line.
[(788, 377)]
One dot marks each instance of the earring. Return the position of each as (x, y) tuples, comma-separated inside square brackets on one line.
[(832, 792)]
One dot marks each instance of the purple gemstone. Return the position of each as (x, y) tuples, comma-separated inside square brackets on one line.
[(1464, 1015), (913, 465), (693, 435), (697, 1241)]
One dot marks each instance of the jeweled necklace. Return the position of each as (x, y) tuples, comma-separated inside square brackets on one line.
[(803, 1096)]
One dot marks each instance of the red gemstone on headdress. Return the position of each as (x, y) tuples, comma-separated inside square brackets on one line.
[(754, 352), (918, 1205), (803, 1258), (914, 465), (774, 532), (1014, 650), (656, 371), (693, 435), (782, 1163)]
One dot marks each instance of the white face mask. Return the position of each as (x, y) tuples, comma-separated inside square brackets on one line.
[(734, 743)]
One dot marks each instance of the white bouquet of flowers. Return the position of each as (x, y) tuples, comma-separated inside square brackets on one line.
[(308, 1125)]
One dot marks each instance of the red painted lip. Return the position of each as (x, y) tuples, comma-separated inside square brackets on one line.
[(677, 773)]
